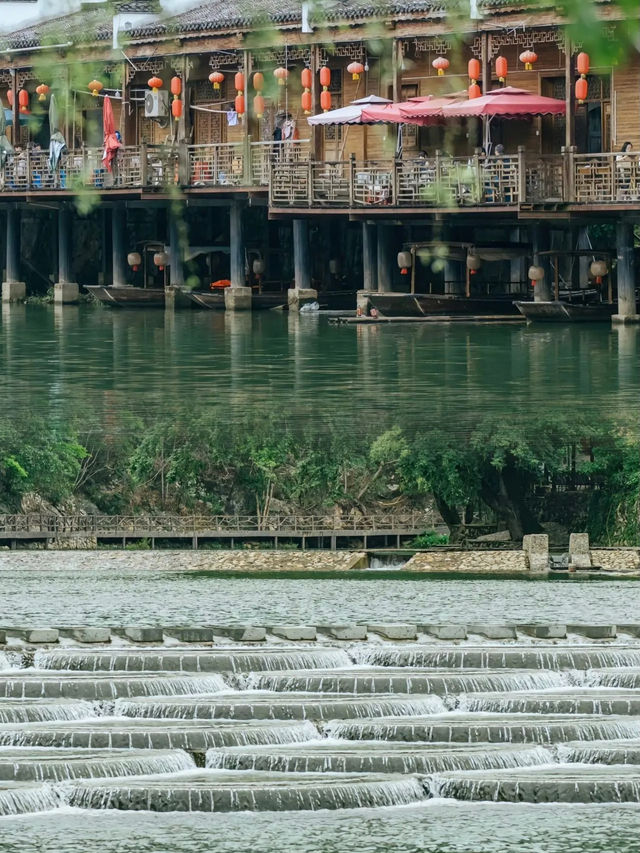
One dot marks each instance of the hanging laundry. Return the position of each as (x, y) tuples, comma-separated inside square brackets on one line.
[(232, 118)]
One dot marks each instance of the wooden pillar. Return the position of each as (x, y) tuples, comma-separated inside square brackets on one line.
[(177, 225), (397, 69), (118, 245), (569, 96), (541, 242), (64, 244), (627, 308), (386, 257), (301, 260), (315, 145), (369, 257), (13, 244), (15, 133), (238, 296)]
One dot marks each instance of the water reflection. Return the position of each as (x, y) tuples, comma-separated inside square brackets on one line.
[(53, 360)]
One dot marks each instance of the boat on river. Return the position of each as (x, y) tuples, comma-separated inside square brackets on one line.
[(566, 311), (445, 304), (129, 297), (214, 300)]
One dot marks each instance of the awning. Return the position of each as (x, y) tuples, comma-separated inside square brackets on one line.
[(351, 114), (507, 103)]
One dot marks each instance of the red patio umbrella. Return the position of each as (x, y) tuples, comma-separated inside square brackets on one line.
[(111, 141), (420, 110)]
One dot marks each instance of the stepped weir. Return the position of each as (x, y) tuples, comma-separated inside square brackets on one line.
[(278, 724)]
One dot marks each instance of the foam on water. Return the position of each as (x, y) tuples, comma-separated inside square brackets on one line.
[(5, 662)]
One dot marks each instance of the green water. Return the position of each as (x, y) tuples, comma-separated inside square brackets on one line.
[(59, 360)]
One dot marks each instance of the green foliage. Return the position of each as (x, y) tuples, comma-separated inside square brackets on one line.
[(429, 539)]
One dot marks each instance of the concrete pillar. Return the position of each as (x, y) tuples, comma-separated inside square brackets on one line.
[(118, 245), (627, 308), (176, 253), (65, 290), (541, 242), (238, 296), (369, 266), (518, 268), (302, 292), (12, 289), (387, 261)]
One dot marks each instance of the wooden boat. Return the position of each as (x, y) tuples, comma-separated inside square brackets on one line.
[(426, 304), (214, 300), (129, 297), (565, 311)]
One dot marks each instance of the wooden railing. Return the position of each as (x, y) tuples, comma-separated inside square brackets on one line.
[(158, 525), (605, 178)]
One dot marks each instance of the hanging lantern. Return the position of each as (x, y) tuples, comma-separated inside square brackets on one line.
[(440, 64), (216, 78), (23, 100), (306, 102), (582, 89), (502, 67), (95, 87), (404, 262), (42, 91), (355, 69), (258, 81), (474, 91), (155, 83), (474, 263), (176, 108), (10, 97), (529, 57), (161, 260), (176, 87), (535, 274), (474, 70), (325, 100), (583, 64), (598, 270), (325, 77), (281, 74), (306, 78), (258, 106), (238, 82), (239, 104), (258, 267), (334, 266), (134, 259)]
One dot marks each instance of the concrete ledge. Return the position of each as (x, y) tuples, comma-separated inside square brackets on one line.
[(545, 632), (634, 630), (242, 633), (494, 632), (39, 635), (446, 632), (468, 562), (87, 635), (3, 637), (141, 635), (536, 550), (595, 632), (294, 632), (237, 299), (65, 293), (623, 319), (395, 631), (579, 552), (14, 291), (191, 635), (299, 296), (346, 632)]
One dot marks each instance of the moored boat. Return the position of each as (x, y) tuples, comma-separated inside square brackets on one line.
[(129, 297), (426, 304), (563, 311)]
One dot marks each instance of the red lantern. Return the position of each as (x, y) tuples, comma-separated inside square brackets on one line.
[(176, 87), (23, 100), (474, 91), (325, 100), (355, 69), (95, 87), (306, 102), (325, 77), (440, 64), (528, 57), (306, 78), (502, 68), (43, 91), (10, 97), (258, 106), (155, 83), (176, 108), (239, 104), (216, 78), (238, 82), (474, 70), (258, 81), (583, 64), (582, 90), (281, 75)]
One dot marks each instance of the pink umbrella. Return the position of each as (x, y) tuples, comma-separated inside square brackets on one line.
[(111, 141), (429, 110), (508, 103), (351, 114)]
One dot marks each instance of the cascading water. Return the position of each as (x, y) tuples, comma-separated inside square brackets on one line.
[(16, 798), (33, 710), (33, 684)]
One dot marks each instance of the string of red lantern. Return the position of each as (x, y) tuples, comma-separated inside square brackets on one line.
[(582, 84), (474, 69), (238, 82), (23, 100), (325, 82), (306, 100), (501, 68), (258, 101)]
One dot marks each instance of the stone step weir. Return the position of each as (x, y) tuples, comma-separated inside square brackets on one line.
[(32, 684), (34, 710), (576, 700)]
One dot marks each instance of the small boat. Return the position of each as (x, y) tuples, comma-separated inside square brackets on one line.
[(565, 311), (446, 304), (129, 297), (214, 300)]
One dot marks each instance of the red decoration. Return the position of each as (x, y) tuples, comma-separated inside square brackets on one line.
[(216, 78), (281, 75), (306, 78), (23, 100), (258, 106), (95, 87), (502, 67), (176, 108), (529, 57), (10, 97), (441, 64), (325, 100), (155, 83), (306, 102), (176, 87), (474, 91), (583, 63), (238, 82), (355, 69), (582, 90), (42, 91), (258, 81), (239, 104), (325, 77), (474, 70)]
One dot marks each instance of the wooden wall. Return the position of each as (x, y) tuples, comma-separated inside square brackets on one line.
[(625, 87)]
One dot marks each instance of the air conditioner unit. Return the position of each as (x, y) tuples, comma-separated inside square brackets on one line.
[(156, 104)]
